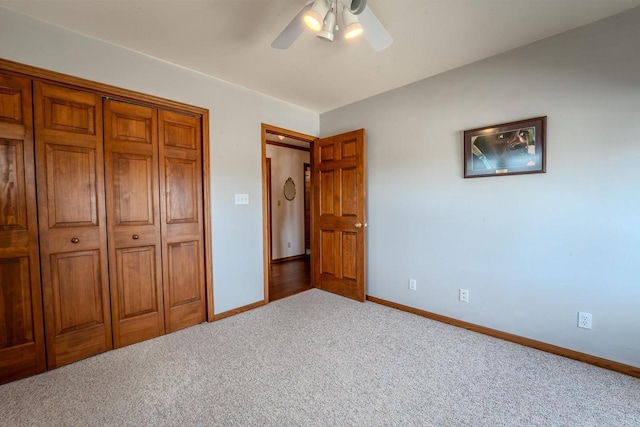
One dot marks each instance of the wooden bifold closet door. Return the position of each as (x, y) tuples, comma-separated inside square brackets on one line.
[(102, 230), (21, 331), (131, 154), (73, 233), (181, 219), (101, 224), (155, 220)]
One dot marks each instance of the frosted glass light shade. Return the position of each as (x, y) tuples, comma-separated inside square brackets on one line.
[(352, 27), (314, 17)]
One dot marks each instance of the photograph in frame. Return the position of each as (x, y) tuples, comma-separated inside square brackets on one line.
[(506, 149)]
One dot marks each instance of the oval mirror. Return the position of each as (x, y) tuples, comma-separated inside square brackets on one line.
[(289, 189)]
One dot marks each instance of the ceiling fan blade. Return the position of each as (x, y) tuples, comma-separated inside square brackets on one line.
[(374, 32), (293, 30)]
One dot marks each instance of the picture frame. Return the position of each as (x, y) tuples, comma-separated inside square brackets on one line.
[(506, 149)]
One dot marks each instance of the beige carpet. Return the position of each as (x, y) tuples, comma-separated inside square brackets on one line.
[(316, 359)]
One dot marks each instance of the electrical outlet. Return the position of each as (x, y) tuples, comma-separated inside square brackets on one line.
[(412, 284), (464, 295), (288, 244), (584, 320)]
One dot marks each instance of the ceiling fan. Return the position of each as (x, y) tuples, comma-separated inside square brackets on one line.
[(321, 16)]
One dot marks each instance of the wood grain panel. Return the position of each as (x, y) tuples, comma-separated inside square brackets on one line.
[(77, 291), (184, 279), (181, 183), (136, 281), (133, 189), (132, 127), (22, 350), (349, 261), (349, 192), (327, 193), (11, 104), (16, 318), (181, 192), (181, 135), (327, 252), (73, 237), (71, 186), (61, 113), (348, 149), (326, 152), (13, 194)]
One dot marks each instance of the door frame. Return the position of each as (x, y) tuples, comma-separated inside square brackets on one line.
[(266, 227), (269, 213), (307, 197)]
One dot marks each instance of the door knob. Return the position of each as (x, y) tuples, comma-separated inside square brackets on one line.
[(358, 225)]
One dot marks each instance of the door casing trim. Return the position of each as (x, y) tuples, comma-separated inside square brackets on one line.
[(266, 257)]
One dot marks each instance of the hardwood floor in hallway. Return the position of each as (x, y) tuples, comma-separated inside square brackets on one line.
[(289, 278)]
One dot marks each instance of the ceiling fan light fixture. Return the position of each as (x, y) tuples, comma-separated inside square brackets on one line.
[(328, 27), (352, 26), (314, 17)]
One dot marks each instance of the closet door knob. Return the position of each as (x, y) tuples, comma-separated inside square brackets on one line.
[(135, 237), (75, 240)]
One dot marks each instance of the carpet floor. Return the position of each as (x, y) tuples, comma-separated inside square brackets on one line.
[(316, 359)]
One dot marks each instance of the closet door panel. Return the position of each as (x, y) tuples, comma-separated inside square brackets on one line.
[(13, 197), (136, 277), (131, 145), (72, 223), (22, 350), (132, 189), (77, 305), (182, 219), (15, 294), (72, 197)]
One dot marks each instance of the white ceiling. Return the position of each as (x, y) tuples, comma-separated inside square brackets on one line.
[(230, 39)]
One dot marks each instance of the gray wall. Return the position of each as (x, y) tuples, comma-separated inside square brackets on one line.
[(236, 115), (532, 249)]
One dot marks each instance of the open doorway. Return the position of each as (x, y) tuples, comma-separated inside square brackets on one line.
[(287, 207)]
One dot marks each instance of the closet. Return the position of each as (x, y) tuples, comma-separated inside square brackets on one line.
[(112, 251)]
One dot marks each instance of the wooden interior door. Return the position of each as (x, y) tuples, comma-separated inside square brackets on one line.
[(73, 245), (339, 214), (180, 151), (131, 159), (21, 325)]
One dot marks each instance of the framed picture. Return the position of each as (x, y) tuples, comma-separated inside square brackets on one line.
[(506, 149)]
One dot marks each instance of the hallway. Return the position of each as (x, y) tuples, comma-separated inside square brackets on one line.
[(289, 278)]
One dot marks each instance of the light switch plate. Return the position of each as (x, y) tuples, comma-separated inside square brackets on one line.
[(242, 199)]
